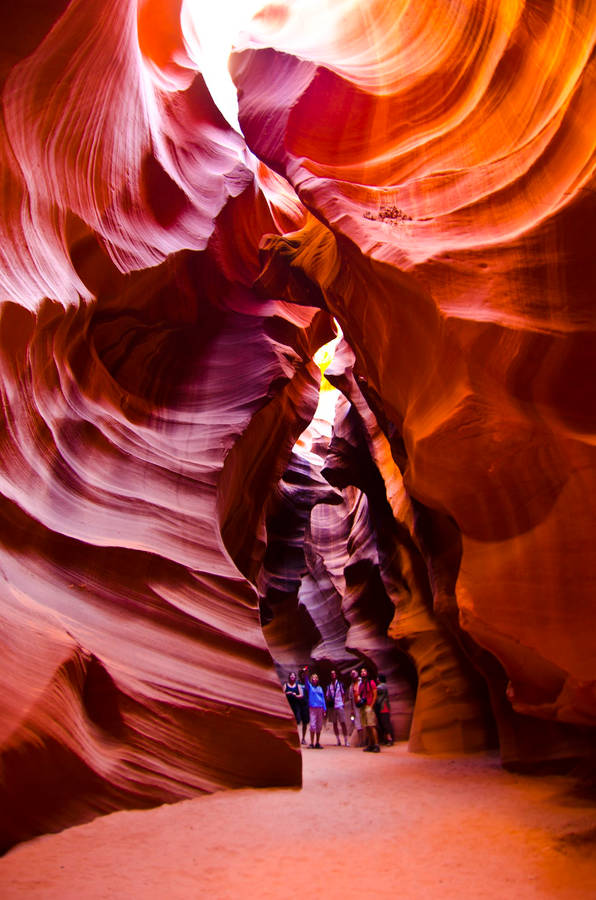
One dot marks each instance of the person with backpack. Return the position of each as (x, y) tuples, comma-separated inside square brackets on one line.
[(353, 710), (365, 701), (335, 697)]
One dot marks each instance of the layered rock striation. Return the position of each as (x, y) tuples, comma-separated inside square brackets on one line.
[(424, 175), (454, 248), (144, 636)]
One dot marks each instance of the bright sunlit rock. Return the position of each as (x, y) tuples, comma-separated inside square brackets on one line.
[(211, 30), (322, 422)]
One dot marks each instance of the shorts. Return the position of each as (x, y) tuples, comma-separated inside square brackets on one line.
[(337, 715), (368, 717), (316, 718)]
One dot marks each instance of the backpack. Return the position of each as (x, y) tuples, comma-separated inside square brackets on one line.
[(333, 690)]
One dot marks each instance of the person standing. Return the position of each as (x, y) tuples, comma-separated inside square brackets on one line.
[(367, 692), (317, 710), (353, 710), (294, 694), (335, 697), (383, 711), (303, 701)]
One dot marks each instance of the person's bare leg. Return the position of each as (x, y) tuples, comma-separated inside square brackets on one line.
[(345, 733), (312, 737), (336, 730)]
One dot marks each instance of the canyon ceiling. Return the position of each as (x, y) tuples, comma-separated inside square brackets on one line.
[(178, 526)]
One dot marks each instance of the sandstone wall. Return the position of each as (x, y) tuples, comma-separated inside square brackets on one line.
[(422, 173)]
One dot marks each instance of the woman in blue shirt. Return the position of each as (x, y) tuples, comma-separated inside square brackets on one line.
[(317, 709)]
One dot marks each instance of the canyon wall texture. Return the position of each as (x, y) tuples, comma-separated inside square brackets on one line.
[(422, 173)]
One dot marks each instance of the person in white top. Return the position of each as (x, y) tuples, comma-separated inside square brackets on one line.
[(353, 710), (336, 713)]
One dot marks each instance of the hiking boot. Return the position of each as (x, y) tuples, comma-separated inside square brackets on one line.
[(375, 749), (318, 747)]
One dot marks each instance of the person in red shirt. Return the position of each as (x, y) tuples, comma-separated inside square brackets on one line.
[(383, 710), (367, 691)]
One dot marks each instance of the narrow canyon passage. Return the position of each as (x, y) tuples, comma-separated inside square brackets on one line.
[(198, 497), (430, 828)]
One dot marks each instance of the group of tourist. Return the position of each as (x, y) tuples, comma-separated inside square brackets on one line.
[(365, 701)]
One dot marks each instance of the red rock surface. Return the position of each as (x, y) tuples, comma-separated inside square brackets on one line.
[(138, 638), (324, 599), (424, 174)]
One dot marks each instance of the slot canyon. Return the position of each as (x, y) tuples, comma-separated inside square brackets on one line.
[(298, 365)]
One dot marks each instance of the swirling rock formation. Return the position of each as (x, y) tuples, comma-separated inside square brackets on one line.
[(458, 261), (323, 595), (451, 711), (423, 174), (147, 636)]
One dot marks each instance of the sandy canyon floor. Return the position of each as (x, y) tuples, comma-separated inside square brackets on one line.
[(364, 825)]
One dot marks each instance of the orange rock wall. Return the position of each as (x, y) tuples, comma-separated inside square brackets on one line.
[(458, 200), (422, 173)]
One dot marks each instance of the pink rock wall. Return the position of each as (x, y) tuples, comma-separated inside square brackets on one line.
[(138, 638)]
